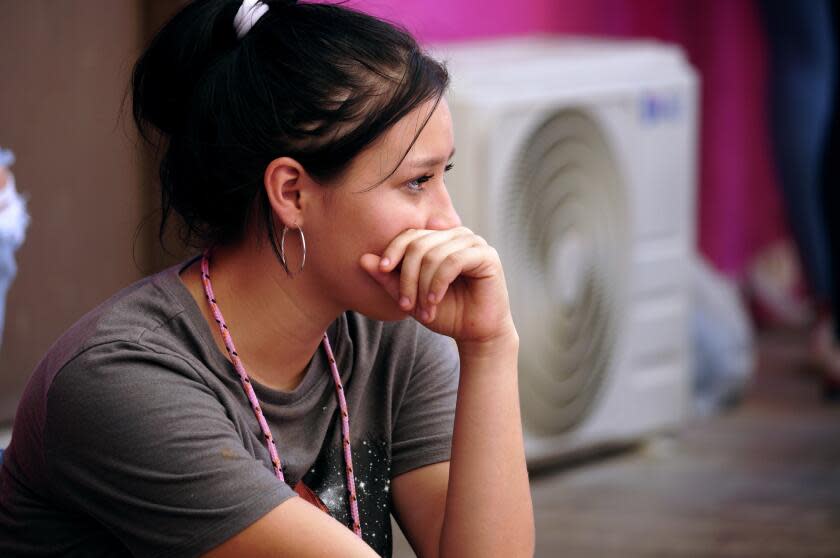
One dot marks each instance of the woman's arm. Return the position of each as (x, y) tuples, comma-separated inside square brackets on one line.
[(294, 528), (488, 502), (453, 283), (479, 503)]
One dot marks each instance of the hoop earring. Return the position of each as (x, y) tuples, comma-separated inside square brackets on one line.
[(283, 251)]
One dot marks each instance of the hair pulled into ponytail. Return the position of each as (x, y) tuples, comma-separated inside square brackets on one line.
[(315, 82)]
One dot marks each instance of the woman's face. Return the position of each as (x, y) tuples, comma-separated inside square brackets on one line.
[(355, 219)]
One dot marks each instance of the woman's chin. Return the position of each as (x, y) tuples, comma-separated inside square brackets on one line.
[(384, 309)]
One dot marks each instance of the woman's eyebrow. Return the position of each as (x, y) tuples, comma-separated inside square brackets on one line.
[(430, 161)]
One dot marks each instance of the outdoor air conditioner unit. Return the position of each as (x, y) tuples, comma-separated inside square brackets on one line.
[(576, 160)]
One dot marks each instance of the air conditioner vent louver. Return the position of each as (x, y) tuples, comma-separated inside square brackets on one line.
[(564, 226)]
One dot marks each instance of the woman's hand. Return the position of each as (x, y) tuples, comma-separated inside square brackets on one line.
[(450, 280)]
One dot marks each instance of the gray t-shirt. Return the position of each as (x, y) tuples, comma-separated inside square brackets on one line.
[(134, 435)]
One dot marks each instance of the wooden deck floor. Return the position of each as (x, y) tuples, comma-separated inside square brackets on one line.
[(760, 481)]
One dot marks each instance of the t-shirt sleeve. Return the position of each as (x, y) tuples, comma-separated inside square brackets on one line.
[(139, 442), (425, 416)]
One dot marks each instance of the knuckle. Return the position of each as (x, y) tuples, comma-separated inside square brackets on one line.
[(413, 255), (428, 258), (412, 250), (452, 259), (420, 246)]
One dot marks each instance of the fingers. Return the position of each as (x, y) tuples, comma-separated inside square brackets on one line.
[(429, 262), (472, 262), (395, 250), (430, 292), (389, 281), (410, 250)]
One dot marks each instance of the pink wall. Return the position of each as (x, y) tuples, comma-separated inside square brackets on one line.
[(438, 20), (740, 208)]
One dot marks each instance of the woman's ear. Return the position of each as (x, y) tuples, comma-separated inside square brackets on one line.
[(284, 183)]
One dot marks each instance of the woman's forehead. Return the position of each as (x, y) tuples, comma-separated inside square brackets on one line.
[(401, 144)]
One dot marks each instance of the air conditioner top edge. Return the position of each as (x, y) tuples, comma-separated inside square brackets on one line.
[(542, 59), (563, 94), (512, 49)]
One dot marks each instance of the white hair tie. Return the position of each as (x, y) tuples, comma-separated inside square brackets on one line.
[(248, 14)]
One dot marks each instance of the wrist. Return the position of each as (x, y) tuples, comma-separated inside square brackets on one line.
[(505, 344)]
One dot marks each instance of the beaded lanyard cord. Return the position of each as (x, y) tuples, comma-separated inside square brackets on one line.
[(255, 403)]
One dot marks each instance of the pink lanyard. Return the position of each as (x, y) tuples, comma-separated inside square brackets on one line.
[(255, 404)]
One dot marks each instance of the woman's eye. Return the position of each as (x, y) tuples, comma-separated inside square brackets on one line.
[(416, 185)]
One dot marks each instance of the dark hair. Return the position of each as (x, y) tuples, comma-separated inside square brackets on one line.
[(315, 82)]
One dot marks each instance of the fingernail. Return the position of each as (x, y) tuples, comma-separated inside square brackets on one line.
[(424, 316), (384, 262), (431, 298), (404, 302)]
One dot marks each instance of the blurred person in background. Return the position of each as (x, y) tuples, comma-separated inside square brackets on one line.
[(802, 37), (13, 222)]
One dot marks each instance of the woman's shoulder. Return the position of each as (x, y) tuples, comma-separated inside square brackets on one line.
[(145, 317), (115, 358), (402, 341)]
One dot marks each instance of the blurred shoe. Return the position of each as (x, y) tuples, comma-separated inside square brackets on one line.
[(774, 287), (723, 341)]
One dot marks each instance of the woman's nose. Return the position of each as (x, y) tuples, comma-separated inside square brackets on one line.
[(444, 216)]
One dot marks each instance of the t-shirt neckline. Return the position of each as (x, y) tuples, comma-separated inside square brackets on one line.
[(317, 370)]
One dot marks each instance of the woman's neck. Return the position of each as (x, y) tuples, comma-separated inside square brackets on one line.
[(276, 322)]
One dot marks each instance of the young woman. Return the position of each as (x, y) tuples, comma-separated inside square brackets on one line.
[(304, 363)]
